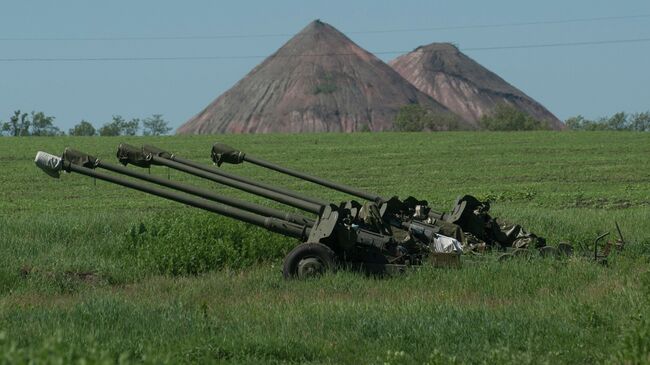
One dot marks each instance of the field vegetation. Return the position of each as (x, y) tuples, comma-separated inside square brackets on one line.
[(93, 273)]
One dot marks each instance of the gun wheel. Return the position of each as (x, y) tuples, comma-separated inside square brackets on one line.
[(308, 260), (565, 249), (549, 251)]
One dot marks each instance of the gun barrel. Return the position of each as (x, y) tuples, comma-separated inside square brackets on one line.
[(245, 180), (144, 158), (269, 223), (223, 153), (210, 195), (281, 198)]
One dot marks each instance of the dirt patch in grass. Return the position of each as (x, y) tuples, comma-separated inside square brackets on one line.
[(602, 203)]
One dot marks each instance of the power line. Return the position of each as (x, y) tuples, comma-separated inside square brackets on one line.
[(198, 58), (505, 25), (376, 31), (568, 44)]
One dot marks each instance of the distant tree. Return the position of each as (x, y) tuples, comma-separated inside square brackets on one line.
[(155, 126), (443, 122), (576, 123), (580, 123), (120, 127), (414, 118), (621, 121), (411, 118), (618, 122), (18, 124), (131, 127), (112, 128), (640, 122), (508, 118), (43, 125), (596, 125), (84, 128)]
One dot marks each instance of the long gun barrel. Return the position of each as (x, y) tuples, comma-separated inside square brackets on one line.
[(173, 157), (223, 153), (52, 165), (137, 156), (91, 162)]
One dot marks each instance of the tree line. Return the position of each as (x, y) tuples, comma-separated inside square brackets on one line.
[(638, 122), (413, 118), (40, 124)]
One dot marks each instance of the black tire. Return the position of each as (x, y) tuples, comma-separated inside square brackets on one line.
[(566, 249), (549, 251), (308, 260)]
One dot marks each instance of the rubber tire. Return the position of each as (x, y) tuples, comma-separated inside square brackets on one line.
[(324, 254), (565, 249), (549, 251)]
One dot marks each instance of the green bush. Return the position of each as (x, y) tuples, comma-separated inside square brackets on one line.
[(508, 118), (325, 86), (194, 243)]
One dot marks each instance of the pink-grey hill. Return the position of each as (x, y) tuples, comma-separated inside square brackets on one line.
[(321, 81), (468, 89)]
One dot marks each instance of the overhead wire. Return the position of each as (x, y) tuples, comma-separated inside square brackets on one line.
[(237, 57), (375, 31)]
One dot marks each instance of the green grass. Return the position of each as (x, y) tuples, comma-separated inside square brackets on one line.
[(97, 273)]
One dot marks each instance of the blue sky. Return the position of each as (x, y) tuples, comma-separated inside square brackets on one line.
[(593, 80)]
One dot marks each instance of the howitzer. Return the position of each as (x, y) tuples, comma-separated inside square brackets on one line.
[(468, 221), (411, 213), (468, 216), (349, 232)]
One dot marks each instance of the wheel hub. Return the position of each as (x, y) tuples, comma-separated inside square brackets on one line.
[(310, 266)]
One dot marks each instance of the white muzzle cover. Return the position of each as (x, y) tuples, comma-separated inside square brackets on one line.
[(51, 164)]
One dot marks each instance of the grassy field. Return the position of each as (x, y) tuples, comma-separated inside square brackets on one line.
[(94, 273)]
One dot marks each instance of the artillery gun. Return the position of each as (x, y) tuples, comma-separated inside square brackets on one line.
[(378, 235), (467, 222)]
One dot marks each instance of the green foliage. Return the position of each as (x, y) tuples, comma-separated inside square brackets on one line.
[(194, 243), (640, 122), (84, 128), (120, 127), (155, 126), (43, 125), (112, 128), (575, 123), (34, 124), (18, 125), (325, 86), (637, 122), (508, 118), (415, 118), (412, 118)]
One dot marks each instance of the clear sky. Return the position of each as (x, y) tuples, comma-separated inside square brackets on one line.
[(592, 80)]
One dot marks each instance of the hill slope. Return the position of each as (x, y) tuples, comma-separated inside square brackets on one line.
[(461, 84), (319, 81)]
